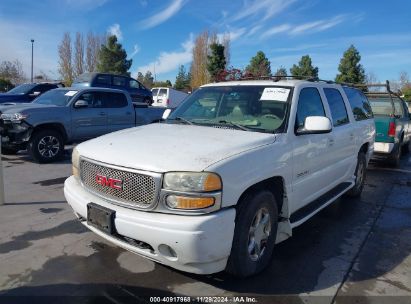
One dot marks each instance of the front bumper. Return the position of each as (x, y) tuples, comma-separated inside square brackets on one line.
[(15, 135), (202, 243)]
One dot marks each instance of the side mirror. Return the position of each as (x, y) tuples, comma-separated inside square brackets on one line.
[(315, 125), (166, 113), (81, 104)]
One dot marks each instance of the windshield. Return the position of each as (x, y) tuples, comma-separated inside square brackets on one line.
[(251, 108), (85, 77), (22, 89), (382, 106), (55, 97)]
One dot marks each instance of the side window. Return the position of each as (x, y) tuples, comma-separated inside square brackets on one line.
[(115, 100), (94, 99), (119, 81), (399, 110), (309, 104), (359, 104), (103, 79), (337, 107), (134, 84)]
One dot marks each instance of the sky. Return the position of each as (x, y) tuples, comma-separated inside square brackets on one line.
[(159, 34)]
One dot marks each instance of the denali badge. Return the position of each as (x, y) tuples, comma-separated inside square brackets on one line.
[(109, 182)]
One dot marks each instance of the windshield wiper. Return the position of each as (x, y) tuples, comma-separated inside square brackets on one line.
[(238, 126), (184, 120)]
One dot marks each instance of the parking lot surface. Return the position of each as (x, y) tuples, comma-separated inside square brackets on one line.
[(356, 250)]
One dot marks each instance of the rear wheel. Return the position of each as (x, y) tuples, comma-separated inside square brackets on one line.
[(254, 235), (406, 147), (395, 158), (360, 173), (46, 146)]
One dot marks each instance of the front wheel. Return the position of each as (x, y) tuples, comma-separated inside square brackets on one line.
[(46, 146), (395, 159), (360, 172), (254, 235)]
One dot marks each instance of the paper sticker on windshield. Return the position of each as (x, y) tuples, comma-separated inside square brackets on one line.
[(279, 94), (71, 93)]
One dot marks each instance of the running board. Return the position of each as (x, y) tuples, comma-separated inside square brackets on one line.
[(303, 212)]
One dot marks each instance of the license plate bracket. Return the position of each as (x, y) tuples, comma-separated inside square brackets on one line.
[(101, 218)]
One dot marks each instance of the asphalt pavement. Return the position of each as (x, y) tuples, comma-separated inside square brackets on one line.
[(354, 251)]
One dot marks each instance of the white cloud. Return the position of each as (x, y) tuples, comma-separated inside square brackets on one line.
[(233, 34), (266, 8), (276, 30), (163, 15), (317, 26), (136, 49), (115, 30), (170, 61)]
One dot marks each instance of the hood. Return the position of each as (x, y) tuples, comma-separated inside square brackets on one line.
[(171, 147), (24, 107), (13, 98)]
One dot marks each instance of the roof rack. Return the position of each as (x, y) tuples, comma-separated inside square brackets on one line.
[(276, 78)]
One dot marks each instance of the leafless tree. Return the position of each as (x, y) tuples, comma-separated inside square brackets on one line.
[(78, 55), (199, 73), (93, 46), (12, 71), (65, 62)]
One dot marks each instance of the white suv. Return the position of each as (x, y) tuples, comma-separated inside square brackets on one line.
[(230, 173)]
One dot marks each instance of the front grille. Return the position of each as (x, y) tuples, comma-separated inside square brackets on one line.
[(138, 190)]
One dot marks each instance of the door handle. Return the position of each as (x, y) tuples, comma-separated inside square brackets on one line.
[(352, 136), (331, 142)]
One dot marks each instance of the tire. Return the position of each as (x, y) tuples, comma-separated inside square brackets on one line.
[(9, 151), (406, 147), (360, 174), (46, 146), (148, 101), (256, 210), (395, 158)]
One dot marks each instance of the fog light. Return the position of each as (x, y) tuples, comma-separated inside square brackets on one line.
[(186, 202)]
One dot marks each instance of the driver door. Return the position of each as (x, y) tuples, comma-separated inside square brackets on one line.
[(90, 122)]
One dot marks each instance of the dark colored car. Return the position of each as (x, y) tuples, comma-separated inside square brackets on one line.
[(137, 91), (27, 92)]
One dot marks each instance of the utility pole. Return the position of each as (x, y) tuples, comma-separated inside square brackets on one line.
[(32, 42)]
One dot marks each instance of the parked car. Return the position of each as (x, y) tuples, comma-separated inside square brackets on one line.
[(235, 168), (27, 92), (69, 115), (138, 92), (167, 97), (393, 125)]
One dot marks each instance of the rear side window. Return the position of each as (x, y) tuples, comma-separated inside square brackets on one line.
[(359, 104), (103, 79), (115, 100), (119, 81), (155, 92), (134, 84), (309, 104), (337, 107), (162, 92)]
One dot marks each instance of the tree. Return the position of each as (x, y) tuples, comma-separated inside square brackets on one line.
[(166, 83), (406, 91), (12, 71), (230, 74), (5, 85), (199, 73), (280, 73), (140, 77), (93, 47), (259, 66), (226, 42), (182, 80), (148, 80), (113, 58), (304, 68), (65, 63), (351, 71), (216, 60), (78, 55)]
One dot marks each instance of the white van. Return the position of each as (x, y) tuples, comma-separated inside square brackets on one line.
[(167, 97)]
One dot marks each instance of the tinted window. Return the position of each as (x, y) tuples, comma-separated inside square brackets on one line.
[(154, 91), (162, 92), (359, 104), (94, 99), (55, 97), (21, 89), (86, 77), (134, 84), (383, 106), (103, 79), (309, 104), (115, 100), (337, 107), (119, 81)]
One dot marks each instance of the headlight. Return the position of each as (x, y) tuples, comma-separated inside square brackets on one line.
[(15, 117), (75, 160), (192, 181)]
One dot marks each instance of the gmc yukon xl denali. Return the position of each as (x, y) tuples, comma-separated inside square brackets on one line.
[(233, 170), (69, 115)]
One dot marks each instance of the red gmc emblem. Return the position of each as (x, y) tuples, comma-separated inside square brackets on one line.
[(109, 182)]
